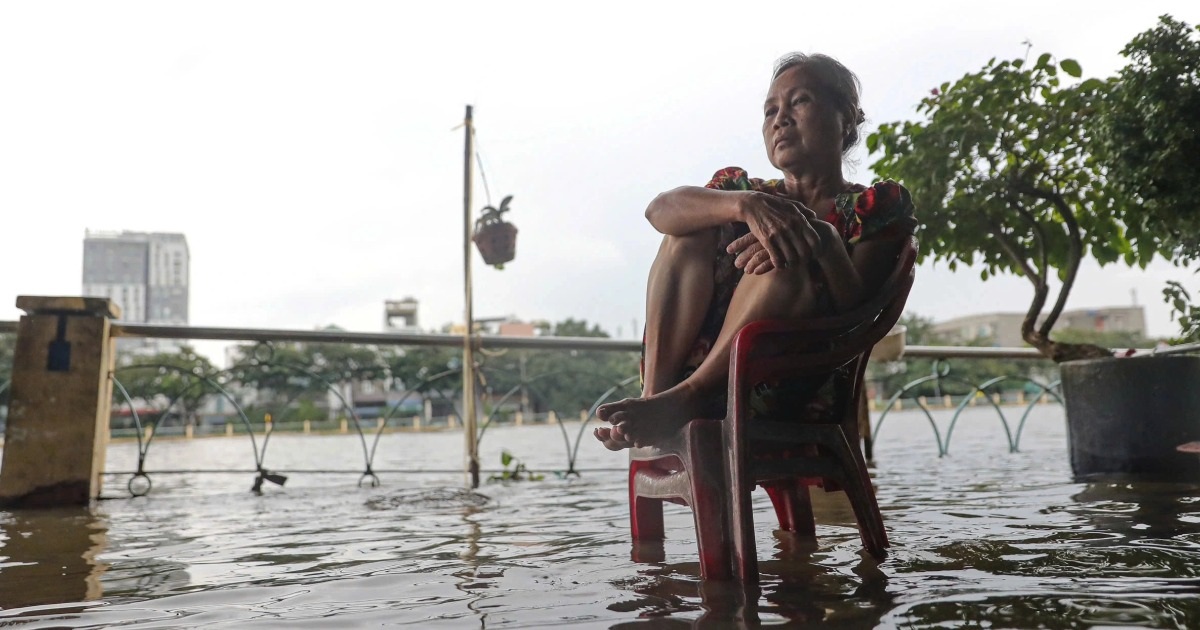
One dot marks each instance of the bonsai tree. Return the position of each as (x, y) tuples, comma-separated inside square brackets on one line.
[(1002, 175), (1148, 137)]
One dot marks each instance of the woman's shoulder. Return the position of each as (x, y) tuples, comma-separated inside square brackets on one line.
[(736, 178), (883, 209)]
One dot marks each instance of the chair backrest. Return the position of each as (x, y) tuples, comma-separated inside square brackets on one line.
[(826, 343)]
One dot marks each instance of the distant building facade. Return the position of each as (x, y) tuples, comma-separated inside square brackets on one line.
[(1004, 329), (401, 315), (145, 273)]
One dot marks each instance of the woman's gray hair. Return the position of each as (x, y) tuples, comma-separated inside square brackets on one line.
[(839, 83)]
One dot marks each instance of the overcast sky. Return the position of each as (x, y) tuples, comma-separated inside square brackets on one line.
[(308, 151)]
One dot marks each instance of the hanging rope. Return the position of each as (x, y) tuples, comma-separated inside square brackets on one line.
[(487, 192)]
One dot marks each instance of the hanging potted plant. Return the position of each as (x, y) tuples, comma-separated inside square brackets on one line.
[(495, 237)]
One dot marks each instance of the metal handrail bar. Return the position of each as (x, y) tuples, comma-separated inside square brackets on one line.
[(1180, 349), (499, 342), (396, 339), (969, 352)]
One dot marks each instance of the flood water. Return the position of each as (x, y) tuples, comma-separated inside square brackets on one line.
[(982, 538)]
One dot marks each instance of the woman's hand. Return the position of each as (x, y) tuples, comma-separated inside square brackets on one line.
[(782, 233)]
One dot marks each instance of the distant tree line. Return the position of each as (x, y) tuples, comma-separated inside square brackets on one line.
[(294, 380)]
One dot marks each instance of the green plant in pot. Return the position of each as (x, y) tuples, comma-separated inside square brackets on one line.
[(495, 237), (1148, 139), (1005, 175)]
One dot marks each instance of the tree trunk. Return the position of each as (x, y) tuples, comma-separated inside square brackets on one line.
[(1058, 352)]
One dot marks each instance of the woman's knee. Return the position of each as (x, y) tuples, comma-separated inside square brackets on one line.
[(788, 289), (697, 244)]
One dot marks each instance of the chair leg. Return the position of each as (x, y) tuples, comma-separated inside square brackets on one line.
[(645, 514), (745, 552), (712, 536), (646, 519), (793, 507), (862, 499), (869, 490)]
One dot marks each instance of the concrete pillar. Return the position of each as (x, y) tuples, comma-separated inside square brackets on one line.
[(947, 402), (416, 423), (551, 417), (229, 429), (344, 426), (307, 426), (519, 418), (1020, 397), (583, 415), (59, 402), (188, 431), (922, 400)]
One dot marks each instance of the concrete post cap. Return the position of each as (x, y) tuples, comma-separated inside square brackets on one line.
[(42, 304)]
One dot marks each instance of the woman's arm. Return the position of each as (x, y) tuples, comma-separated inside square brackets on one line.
[(689, 209), (783, 232), (853, 277)]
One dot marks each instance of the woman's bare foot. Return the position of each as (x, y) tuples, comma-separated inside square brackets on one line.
[(648, 421), (612, 438)]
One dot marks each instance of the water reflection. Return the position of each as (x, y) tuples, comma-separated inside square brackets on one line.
[(805, 580), (50, 556), (984, 538), (797, 588), (1141, 510)]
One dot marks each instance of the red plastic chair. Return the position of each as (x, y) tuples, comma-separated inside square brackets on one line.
[(714, 465)]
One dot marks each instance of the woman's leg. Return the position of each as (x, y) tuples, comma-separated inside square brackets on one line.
[(678, 293), (779, 294)]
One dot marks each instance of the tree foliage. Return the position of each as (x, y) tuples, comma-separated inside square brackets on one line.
[(8, 344), (304, 372), (563, 381), (1148, 135), (175, 379), (413, 368), (1001, 170), (963, 374), (1184, 311)]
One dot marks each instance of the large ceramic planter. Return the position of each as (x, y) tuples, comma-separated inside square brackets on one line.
[(1126, 416)]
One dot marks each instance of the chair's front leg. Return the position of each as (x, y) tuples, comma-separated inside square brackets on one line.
[(645, 514)]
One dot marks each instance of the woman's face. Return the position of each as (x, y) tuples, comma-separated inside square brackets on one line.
[(801, 127)]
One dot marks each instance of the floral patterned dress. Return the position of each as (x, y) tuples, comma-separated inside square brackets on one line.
[(881, 211)]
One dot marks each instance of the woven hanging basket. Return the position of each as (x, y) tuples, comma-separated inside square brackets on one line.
[(497, 242)]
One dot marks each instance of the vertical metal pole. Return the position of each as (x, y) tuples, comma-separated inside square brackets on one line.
[(469, 418)]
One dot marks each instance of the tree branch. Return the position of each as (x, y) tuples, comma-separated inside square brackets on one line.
[(1039, 288), (1039, 235), (1075, 250)]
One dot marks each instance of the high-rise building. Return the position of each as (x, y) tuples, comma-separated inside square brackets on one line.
[(145, 273)]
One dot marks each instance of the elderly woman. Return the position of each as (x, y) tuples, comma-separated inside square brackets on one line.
[(743, 249)]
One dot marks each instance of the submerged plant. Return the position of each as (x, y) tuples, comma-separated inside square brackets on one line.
[(517, 472)]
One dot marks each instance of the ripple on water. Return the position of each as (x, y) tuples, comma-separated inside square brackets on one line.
[(981, 538)]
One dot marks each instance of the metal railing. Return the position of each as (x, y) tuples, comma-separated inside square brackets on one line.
[(224, 384)]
